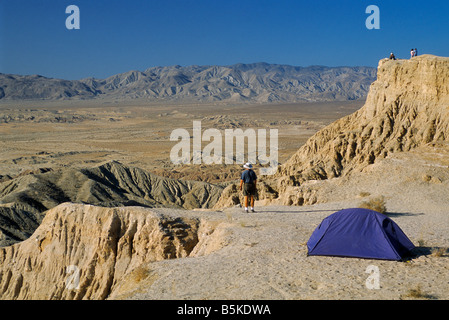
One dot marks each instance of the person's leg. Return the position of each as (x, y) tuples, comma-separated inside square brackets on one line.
[(246, 202)]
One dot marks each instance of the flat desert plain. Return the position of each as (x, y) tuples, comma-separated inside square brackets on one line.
[(40, 134)]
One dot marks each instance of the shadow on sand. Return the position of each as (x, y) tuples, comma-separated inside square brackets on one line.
[(291, 211), (402, 214), (388, 214), (441, 252)]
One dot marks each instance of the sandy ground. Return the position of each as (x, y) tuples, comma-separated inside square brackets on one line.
[(264, 256)]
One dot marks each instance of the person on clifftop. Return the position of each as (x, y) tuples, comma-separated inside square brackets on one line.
[(248, 184)]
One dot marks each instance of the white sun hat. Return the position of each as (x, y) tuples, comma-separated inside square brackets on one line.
[(248, 165)]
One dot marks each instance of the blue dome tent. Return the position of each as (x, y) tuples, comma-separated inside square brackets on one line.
[(360, 233)]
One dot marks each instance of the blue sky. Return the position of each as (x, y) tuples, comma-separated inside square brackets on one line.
[(117, 36)]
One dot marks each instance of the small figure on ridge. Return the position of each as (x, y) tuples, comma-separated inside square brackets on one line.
[(248, 182)]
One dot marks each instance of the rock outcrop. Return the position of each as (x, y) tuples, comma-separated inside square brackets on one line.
[(83, 251), (407, 106)]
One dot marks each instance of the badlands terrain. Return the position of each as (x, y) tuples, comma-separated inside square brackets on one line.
[(108, 155), (92, 208)]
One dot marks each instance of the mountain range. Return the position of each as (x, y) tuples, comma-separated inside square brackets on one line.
[(257, 82)]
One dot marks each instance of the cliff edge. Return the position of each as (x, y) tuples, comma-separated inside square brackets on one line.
[(407, 106)]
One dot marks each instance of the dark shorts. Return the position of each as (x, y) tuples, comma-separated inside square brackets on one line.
[(249, 189)]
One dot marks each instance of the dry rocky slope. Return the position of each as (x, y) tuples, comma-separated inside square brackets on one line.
[(24, 199), (396, 145), (407, 107), (258, 82), (105, 245)]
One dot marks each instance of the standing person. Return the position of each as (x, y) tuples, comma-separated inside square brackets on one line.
[(416, 52), (248, 183), (412, 53)]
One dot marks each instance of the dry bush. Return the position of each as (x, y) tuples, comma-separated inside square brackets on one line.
[(140, 273), (376, 204), (421, 242), (364, 194), (417, 293), (439, 252)]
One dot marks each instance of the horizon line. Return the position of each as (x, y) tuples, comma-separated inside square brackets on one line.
[(192, 65)]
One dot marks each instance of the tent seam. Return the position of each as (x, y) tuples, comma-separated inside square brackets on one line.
[(388, 238)]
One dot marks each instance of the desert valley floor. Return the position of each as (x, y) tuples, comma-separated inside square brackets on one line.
[(68, 133)]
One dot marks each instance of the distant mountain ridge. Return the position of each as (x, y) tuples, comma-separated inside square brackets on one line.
[(257, 82)]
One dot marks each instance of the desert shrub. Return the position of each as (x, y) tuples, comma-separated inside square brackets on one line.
[(376, 204), (417, 293), (421, 242), (364, 194), (140, 273), (439, 252)]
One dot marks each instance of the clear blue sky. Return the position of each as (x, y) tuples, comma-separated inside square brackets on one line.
[(118, 36)]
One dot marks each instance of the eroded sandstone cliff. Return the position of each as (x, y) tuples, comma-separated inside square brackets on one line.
[(24, 199), (83, 251), (408, 106)]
